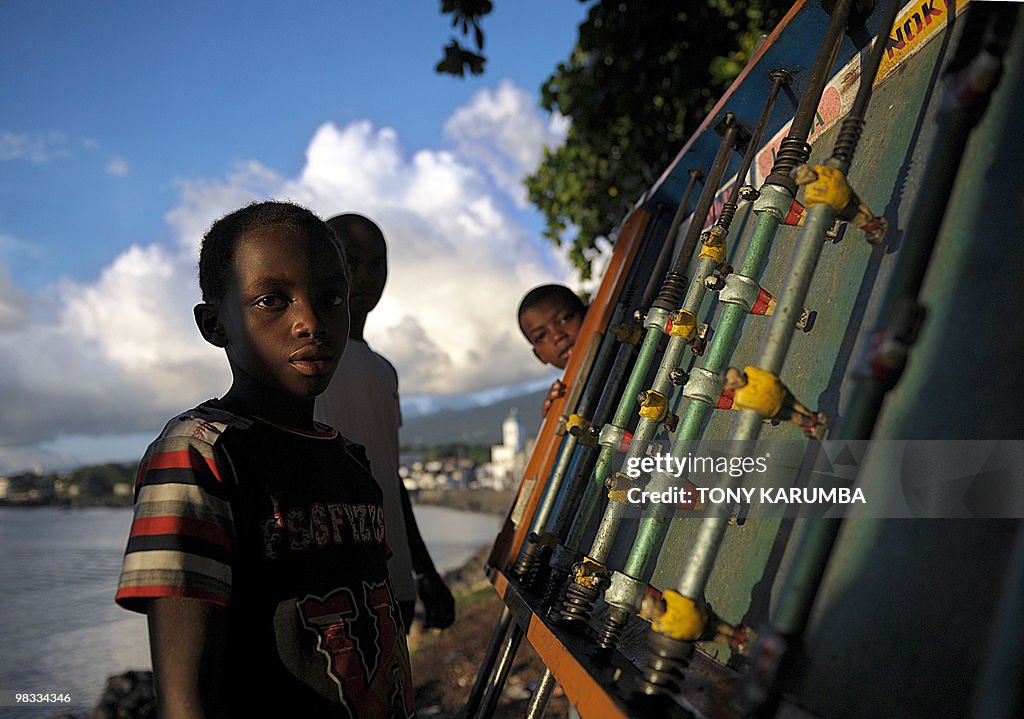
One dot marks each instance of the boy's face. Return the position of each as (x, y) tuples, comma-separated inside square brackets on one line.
[(368, 264), (551, 326), (284, 316)]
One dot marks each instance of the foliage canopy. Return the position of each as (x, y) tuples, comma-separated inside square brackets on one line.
[(639, 81)]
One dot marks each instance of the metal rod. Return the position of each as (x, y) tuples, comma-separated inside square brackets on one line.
[(778, 79), (699, 563), (569, 503), (849, 134), (650, 534), (483, 676), (794, 149), (701, 557), (954, 123), (593, 388), (541, 696), (627, 402), (661, 266), (647, 427), (497, 686), (815, 539), (707, 199), (820, 220), (551, 490)]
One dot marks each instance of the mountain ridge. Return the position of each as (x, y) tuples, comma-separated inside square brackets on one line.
[(473, 425)]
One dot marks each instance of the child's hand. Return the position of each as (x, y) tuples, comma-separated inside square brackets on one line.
[(557, 390), (438, 603)]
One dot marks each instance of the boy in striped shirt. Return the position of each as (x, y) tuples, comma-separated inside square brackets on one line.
[(257, 549)]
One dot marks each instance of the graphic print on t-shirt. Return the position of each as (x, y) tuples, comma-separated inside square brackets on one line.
[(369, 672)]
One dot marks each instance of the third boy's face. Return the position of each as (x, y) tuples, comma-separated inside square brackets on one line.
[(368, 263), (285, 312), (551, 327)]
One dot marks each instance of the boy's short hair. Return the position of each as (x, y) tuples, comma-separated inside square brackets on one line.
[(343, 222), (217, 252), (560, 292)]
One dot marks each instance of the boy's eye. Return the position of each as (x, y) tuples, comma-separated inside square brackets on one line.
[(271, 302), (337, 300)]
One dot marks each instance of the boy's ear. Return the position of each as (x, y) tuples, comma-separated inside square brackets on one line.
[(208, 322)]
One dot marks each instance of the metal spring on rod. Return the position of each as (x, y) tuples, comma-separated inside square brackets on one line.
[(728, 213), (579, 603), (666, 660), (792, 152), (846, 141), (614, 622), (536, 572), (523, 565), (672, 291), (555, 588)]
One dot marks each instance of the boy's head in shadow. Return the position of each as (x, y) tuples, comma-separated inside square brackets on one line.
[(550, 317), (367, 254), (275, 297)]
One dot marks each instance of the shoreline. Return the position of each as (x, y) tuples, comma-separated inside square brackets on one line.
[(486, 501), (468, 578)]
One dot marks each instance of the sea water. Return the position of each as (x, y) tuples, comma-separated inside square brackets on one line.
[(60, 631)]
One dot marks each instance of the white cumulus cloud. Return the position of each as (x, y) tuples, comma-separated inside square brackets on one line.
[(120, 354), (500, 130), (16, 305)]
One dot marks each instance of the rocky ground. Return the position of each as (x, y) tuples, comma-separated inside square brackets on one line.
[(444, 664)]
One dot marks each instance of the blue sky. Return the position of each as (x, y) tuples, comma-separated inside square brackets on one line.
[(128, 127)]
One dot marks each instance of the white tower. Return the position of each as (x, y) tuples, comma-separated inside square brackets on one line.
[(512, 431)]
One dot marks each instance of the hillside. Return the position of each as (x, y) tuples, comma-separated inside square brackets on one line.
[(476, 425)]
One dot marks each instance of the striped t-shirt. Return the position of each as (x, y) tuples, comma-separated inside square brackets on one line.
[(285, 529)]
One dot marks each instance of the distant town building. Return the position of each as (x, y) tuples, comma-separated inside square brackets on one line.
[(508, 459), (512, 431)]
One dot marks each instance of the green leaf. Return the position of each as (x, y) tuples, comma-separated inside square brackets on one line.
[(451, 63)]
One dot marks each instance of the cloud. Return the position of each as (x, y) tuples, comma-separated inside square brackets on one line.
[(120, 354), (43, 147), (15, 304), (9, 245), (110, 358), (37, 149), (500, 130), (117, 167)]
